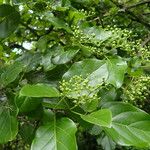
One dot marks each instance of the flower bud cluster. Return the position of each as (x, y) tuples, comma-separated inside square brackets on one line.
[(87, 13), (88, 41), (81, 36), (78, 90), (121, 40), (138, 91)]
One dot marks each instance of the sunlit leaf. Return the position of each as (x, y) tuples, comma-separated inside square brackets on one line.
[(101, 117), (130, 125), (39, 90), (58, 134)]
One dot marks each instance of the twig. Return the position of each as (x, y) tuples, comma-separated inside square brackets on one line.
[(146, 40), (146, 13), (138, 4), (138, 19), (132, 16)]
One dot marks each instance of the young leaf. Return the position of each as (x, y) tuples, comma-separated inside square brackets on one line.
[(101, 117), (39, 90), (8, 125), (58, 134), (130, 125)]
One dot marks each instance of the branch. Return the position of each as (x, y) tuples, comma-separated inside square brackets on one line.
[(138, 19), (146, 41), (132, 16), (147, 13), (138, 4)]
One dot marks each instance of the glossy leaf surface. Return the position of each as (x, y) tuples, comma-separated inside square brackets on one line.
[(129, 125), (59, 134), (39, 90), (101, 117)]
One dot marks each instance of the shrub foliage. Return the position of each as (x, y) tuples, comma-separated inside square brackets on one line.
[(74, 74)]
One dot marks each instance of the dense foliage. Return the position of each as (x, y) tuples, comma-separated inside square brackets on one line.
[(74, 74)]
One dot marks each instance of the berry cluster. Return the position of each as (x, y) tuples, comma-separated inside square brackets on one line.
[(138, 91), (78, 90)]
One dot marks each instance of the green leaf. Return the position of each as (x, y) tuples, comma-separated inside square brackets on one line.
[(39, 90), (57, 22), (106, 143), (27, 104), (90, 106), (87, 2), (29, 60), (19, 1), (64, 57), (116, 68), (42, 43), (76, 16), (96, 71), (54, 103), (40, 6), (9, 20), (8, 125), (130, 125), (108, 93), (36, 114), (58, 134), (47, 62), (101, 118), (48, 116), (12, 103), (11, 73), (27, 132)]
